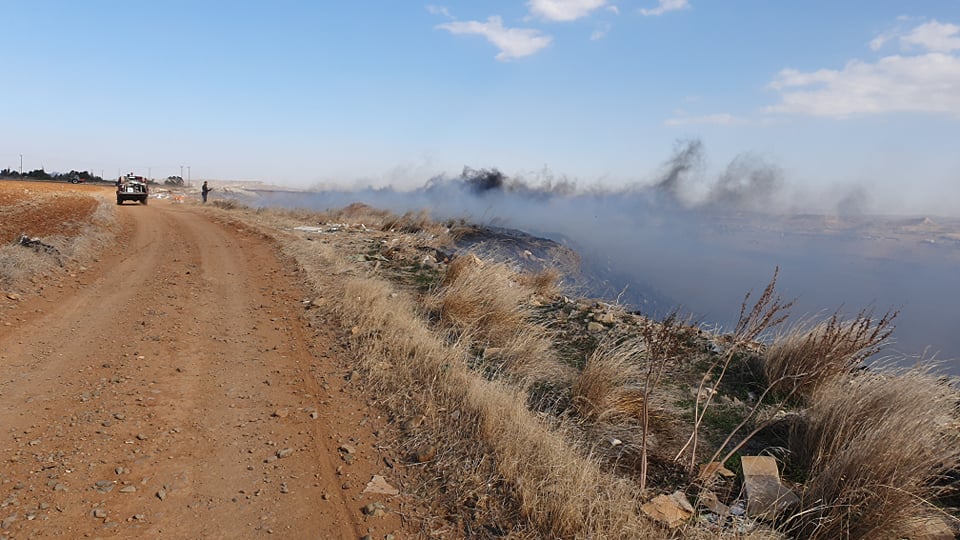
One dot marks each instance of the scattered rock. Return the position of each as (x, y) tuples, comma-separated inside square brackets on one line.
[(379, 484), (281, 413), (374, 509), (347, 449), (285, 452), (99, 513), (14, 296), (162, 494), (8, 521), (128, 489), (104, 486)]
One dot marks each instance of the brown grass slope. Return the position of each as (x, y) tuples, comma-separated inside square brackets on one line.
[(466, 364)]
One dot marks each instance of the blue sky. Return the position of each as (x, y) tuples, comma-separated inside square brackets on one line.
[(836, 94)]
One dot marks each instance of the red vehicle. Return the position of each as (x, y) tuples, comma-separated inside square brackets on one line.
[(132, 188)]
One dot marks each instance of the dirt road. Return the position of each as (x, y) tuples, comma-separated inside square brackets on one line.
[(170, 391)]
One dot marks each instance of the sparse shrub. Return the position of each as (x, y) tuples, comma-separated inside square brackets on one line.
[(873, 446), (810, 354)]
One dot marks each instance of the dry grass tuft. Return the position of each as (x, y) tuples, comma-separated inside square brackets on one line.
[(410, 222), (610, 385), (874, 447), (811, 354), (483, 298), (229, 204), (545, 282)]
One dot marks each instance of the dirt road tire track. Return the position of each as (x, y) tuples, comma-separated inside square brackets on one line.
[(168, 393)]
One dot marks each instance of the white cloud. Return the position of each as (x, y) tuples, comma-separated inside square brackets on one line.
[(512, 42), (921, 83), (933, 36), (720, 119), (564, 10), (439, 10), (664, 6), (600, 32)]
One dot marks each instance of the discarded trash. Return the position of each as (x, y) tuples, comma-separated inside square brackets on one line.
[(710, 501), (709, 470), (38, 245), (766, 496), (304, 228), (671, 510)]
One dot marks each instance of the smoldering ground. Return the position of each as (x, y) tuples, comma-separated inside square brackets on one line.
[(700, 242)]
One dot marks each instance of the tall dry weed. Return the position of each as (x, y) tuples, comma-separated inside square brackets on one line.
[(874, 447), (812, 353)]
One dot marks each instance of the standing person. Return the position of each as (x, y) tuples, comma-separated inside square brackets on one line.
[(204, 190)]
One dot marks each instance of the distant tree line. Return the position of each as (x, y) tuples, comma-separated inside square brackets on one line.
[(40, 174)]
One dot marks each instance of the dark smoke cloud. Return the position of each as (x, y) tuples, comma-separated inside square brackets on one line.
[(688, 159), (750, 182), (483, 181), (696, 240)]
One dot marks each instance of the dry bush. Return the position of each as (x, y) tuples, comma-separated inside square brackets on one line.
[(610, 385), (482, 297), (812, 353), (874, 447)]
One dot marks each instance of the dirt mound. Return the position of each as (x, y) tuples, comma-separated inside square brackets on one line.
[(44, 209)]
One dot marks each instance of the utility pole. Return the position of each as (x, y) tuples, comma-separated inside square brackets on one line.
[(181, 172), (21, 164), (188, 175)]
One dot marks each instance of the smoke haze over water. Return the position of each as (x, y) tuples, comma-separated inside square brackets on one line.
[(703, 242)]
